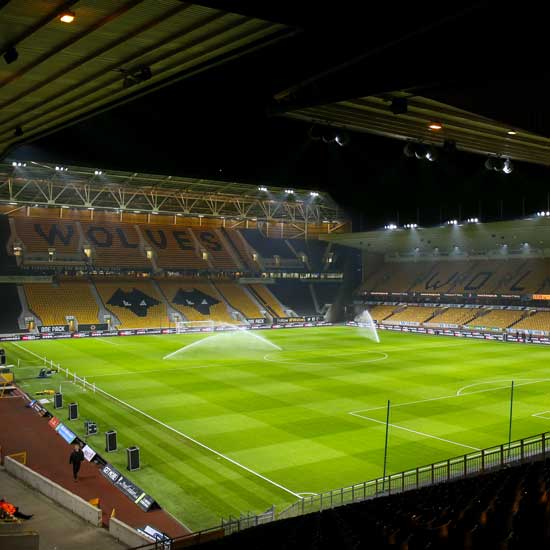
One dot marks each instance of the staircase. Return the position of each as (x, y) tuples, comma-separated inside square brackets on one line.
[(234, 312), (260, 300), (26, 310), (172, 312), (102, 310)]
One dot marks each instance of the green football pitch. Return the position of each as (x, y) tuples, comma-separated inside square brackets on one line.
[(232, 423)]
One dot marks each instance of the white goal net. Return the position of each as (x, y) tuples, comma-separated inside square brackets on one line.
[(184, 326)]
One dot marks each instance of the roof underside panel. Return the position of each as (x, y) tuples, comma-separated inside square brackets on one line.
[(469, 131), (65, 71)]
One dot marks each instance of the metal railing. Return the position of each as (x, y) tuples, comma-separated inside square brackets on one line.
[(447, 470)]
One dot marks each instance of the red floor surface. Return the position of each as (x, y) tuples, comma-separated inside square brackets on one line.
[(22, 429)]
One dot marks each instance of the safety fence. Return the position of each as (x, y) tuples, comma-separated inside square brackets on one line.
[(448, 470)]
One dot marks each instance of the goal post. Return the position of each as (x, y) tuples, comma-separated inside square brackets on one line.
[(184, 326)]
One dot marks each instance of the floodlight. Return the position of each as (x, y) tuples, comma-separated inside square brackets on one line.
[(342, 138), (313, 194), (262, 188), (420, 151), (432, 154), (508, 167)]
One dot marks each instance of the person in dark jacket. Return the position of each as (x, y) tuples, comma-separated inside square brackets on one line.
[(77, 456)]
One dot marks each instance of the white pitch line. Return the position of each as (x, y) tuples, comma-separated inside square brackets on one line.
[(28, 350), (509, 380), (196, 442), (455, 395), (189, 438), (417, 432), (106, 341), (541, 415)]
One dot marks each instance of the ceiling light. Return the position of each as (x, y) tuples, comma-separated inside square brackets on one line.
[(435, 126), (67, 16)]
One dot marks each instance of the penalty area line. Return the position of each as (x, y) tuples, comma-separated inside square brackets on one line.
[(416, 432)]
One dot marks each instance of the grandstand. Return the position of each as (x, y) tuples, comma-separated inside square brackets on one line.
[(455, 316), (174, 248), (239, 298), (536, 320), (463, 277), (217, 252), (498, 318), (136, 304), (503, 509), (54, 303), (196, 300), (114, 245), (268, 300), (411, 314), (295, 295), (381, 312)]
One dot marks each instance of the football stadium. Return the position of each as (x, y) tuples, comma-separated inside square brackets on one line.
[(331, 333)]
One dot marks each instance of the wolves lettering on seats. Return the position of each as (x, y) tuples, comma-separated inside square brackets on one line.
[(183, 239), (196, 299), (161, 243), (54, 233), (210, 240), (433, 283), (100, 236), (124, 239), (478, 280), (135, 300)]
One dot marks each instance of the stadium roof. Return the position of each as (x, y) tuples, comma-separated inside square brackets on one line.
[(525, 236), (470, 132), (47, 185), (56, 73)]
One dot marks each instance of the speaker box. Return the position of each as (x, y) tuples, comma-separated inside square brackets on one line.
[(110, 441), (90, 427), (132, 454), (73, 411), (58, 401)]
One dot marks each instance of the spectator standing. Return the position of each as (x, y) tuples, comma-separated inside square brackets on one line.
[(77, 456)]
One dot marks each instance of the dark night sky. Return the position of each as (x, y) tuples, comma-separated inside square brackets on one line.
[(217, 124)]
